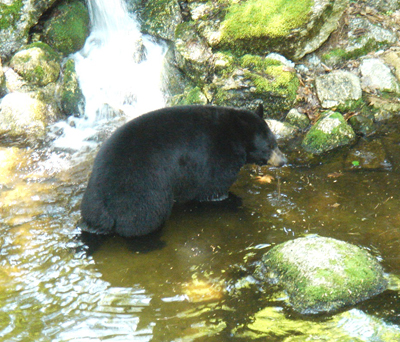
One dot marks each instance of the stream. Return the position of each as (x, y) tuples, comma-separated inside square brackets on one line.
[(192, 280)]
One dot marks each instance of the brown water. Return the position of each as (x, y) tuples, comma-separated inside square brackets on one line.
[(186, 283)]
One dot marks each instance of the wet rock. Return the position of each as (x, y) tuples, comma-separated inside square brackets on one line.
[(16, 19), (190, 96), (250, 80), (297, 119), (70, 94), (258, 27), (22, 116), (362, 125), (38, 64), (370, 155), (282, 130), (329, 132), (193, 56), (68, 27), (372, 37), (160, 18), (322, 274), (377, 76), (338, 88)]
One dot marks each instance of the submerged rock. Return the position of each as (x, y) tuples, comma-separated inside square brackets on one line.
[(370, 155), (322, 274), (329, 132), (349, 326), (338, 88)]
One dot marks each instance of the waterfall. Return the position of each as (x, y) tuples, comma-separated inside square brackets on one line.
[(118, 70)]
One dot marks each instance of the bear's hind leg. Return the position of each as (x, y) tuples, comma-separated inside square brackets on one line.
[(141, 214)]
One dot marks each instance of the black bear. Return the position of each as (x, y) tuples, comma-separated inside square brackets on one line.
[(175, 154)]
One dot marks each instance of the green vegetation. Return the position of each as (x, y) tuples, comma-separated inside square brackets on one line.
[(257, 20), (10, 14), (68, 27)]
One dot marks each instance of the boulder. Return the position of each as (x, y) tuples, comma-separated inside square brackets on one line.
[(291, 28), (297, 119), (329, 132), (37, 63), (338, 88), (68, 27), (321, 274), (376, 75)]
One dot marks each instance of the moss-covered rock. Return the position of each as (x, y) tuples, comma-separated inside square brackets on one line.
[(190, 96), (250, 80), (17, 17), (70, 94), (68, 27), (292, 28), (322, 274), (37, 63), (193, 56), (160, 18), (329, 132)]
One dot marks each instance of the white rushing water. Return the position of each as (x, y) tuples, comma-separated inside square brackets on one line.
[(119, 71)]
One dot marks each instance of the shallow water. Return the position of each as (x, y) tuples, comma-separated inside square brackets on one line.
[(183, 283)]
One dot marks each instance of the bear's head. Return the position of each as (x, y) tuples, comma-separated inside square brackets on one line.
[(262, 148)]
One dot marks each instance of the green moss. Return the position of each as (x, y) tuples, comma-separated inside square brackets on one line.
[(68, 27), (254, 19), (10, 14)]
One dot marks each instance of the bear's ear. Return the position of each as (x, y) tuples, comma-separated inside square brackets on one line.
[(260, 110)]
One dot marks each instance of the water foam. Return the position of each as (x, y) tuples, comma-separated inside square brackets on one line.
[(119, 71)]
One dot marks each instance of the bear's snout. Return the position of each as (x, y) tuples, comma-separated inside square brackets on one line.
[(277, 158)]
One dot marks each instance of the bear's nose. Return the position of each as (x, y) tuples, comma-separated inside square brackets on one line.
[(277, 158)]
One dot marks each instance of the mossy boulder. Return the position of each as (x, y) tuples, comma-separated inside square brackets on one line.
[(68, 27), (160, 18), (292, 28), (250, 80), (322, 274), (329, 132), (69, 92), (192, 54), (37, 63)]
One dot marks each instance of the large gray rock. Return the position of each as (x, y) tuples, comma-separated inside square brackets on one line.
[(378, 76), (338, 88), (16, 19), (322, 274)]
